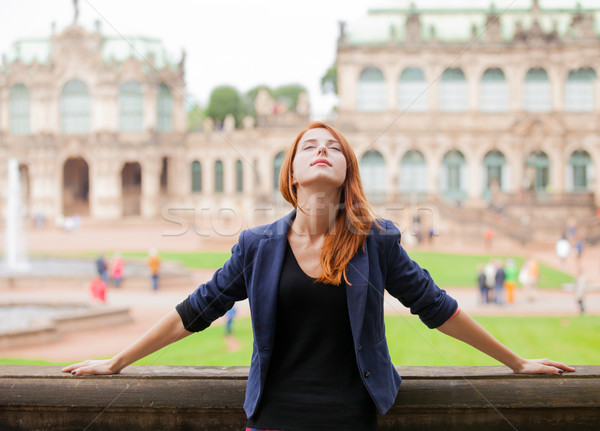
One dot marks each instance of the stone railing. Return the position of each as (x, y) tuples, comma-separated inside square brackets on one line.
[(211, 398)]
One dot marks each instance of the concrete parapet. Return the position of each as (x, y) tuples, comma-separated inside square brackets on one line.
[(211, 398)]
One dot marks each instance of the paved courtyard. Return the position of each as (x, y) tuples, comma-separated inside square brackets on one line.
[(147, 306)]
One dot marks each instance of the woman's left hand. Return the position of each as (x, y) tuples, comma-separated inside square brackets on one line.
[(542, 366)]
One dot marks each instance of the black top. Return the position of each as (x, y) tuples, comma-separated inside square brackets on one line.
[(313, 382)]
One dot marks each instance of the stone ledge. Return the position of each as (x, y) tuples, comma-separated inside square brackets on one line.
[(211, 398)]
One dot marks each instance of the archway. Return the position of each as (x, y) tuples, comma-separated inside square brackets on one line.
[(76, 187), (131, 188)]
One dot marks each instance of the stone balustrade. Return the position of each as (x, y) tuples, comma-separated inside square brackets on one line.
[(211, 398)]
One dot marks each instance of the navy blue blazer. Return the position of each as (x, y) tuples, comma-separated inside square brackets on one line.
[(253, 272)]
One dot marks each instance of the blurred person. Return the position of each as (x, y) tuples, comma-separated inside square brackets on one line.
[(490, 279), (117, 267), (511, 272), (529, 277), (563, 249), (315, 280), (499, 279), (154, 265), (481, 283), (102, 269), (98, 290)]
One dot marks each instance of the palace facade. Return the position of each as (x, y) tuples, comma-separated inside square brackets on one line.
[(456, 108)]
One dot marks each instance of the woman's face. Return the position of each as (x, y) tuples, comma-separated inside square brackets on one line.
[(319, 160)]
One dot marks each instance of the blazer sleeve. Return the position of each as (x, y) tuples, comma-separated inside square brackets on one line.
[(413, 285), (212, 299)]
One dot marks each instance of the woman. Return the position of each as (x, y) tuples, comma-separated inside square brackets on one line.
[(315, 281)]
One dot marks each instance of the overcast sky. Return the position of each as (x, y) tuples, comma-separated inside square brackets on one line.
[(242, 43)]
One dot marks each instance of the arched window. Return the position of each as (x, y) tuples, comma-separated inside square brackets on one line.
[(493, 95), (537, 94), (165, 109), (538, 170), (454, 95), (19, 110), (277, 162), (413, 173), (579, 90), (131, 107), (371, 91), (219, 181), (75, 108), (453, 175), (412, 91), (580, 172), (372, 173), (239, 177), (495, 173), (196, 177)]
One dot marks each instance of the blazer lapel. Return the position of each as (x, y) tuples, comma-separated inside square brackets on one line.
[(357, 273), (265, 282)]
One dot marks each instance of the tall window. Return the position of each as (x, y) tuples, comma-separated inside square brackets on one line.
[(371, 91), (579, 90), (495, 173), (538, 165), (412, 91), (131, 107), (579, 172), (454, 95), (196, 177), (453, 175), (493, 95), (19, 110), (219, 181), (537, 93), (372, 173), (239, 177), (165, 109), (413, 173), (277, 162), (75, 108)]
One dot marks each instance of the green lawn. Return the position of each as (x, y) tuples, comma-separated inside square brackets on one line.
[(447, 269), (565, 339)]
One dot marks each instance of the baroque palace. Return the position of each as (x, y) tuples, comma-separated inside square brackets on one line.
[(476, 117)]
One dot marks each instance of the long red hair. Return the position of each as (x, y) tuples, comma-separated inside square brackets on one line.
[(354, 218)]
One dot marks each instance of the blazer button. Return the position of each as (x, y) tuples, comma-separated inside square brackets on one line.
[(359, 347), (367, 373)]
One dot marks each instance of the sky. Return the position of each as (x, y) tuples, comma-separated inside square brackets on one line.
[(243, 43)]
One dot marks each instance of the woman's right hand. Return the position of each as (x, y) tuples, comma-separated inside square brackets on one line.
[(102, 366)]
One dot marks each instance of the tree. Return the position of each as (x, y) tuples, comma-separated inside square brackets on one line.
[(196, 117), (288, 94), (329, 81), (226, 100)]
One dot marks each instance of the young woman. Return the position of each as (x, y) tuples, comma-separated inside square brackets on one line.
[(315, 281)]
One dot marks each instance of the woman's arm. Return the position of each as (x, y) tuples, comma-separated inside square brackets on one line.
[(464, 328), (166, 331)]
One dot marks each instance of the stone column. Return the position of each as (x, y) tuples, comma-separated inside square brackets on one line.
[(557, 78), (348, 75), (150, 188), (515, 79), (150, 106), (5, 107), (391, 75), (105, 189)]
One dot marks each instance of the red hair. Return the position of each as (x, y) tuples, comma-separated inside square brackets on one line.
[(354, 217)]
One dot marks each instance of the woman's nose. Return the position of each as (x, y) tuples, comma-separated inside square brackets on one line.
[(322, 149)]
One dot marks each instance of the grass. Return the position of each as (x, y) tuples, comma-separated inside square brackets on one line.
[(447, 269), (566, 339), (460, 270)]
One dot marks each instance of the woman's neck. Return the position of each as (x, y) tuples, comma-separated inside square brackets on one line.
[(316, 213)]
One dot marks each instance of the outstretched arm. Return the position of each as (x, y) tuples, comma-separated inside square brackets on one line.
[(464, 328), (166, 331)]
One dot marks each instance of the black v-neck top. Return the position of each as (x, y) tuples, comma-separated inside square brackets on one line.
[(313, 382)]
